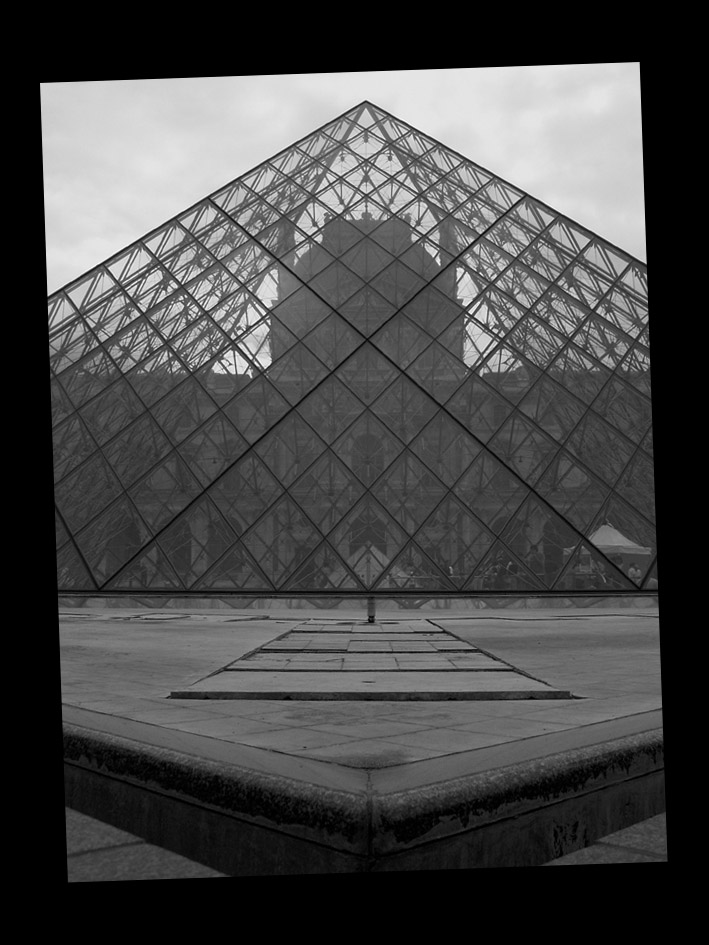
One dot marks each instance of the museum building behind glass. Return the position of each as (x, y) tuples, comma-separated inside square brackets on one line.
[(366, 366)]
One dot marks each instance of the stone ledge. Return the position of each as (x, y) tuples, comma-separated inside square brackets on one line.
[(244, 822)]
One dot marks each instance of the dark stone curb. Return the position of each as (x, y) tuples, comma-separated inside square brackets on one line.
[(243, 822)]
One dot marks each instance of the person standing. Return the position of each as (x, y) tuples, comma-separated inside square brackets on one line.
[(634, 573)]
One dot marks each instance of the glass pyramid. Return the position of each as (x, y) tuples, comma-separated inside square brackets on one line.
[(366, 365)]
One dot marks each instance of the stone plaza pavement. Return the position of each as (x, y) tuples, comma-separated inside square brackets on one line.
[(226, 742)]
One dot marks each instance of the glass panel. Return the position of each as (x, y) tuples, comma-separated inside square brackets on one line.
[(586, 569), (524, 286), (238, 313), (366, 259), (237, 571), (602, 341), (72, 445), (479, 408), (71, 571), (326, 492), (502, 570), (635, 282), (536, 532), (469, 176), (108, 414), (308, 259), (490, 492), (366, 373), (445, 448), (599, 448), (335, 284), (195, 540), (247, 260), (368, 540), (227, 374), (175, 314), (625, 312), (397, 284), (635, 368), (92, 289), (267, 340), (546, 258), (432, 311), (223, 238), (281, 540), (625, 539), (323, 571), (367, 447), (561, 312), (366, 310), (150, 570), (70, 344), (112, 539), (509, 373), (572, 491), (89, 378), (426, 258), (366, 365), (409, 491), (183, 410), (244, 492), (605, 260), (202, 219), (454, 539), (138, 448), (579, 374), (586, 284), (163, 243), (211, 287), (133, 345), (625, 409), (300, 313), (60, 311), (330, 408), (198, 344), (555, 411), (404, 409), (86, 492), (61, 405), (164, 492), (290, 448), (212, 448), (567, 236), (401, 340), (333, 340), (637, 485), (151, 286), (523, 448), (189, 261), (414, 570), (535, 341), (296, 373), (256, 409)]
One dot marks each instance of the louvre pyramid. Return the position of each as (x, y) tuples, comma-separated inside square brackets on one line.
[(367, 364)]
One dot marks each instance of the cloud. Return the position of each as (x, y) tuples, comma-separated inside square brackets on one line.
[(122, 157)]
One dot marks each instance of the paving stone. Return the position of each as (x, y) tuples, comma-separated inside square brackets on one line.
[(137, 862)]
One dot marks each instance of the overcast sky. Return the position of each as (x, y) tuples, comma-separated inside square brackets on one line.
[(123, 156)]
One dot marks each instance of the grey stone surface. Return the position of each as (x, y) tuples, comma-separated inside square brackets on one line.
[(119, 668), (644, 842), (98, 852)]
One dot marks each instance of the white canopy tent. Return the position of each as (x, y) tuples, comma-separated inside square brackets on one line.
[(610, 541)]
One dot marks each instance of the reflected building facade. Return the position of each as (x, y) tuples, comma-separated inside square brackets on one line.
[(367, 365)]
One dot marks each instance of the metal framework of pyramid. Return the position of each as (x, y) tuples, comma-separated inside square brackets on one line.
[(366, 366)]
